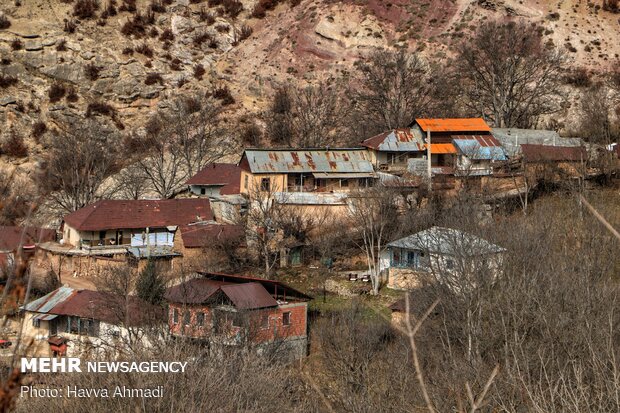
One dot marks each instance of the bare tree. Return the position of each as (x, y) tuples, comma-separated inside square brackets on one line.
[(199, 132), (131, 182), (396, 88), (312, 116), (79, 159), (509, 77), (373, 215)]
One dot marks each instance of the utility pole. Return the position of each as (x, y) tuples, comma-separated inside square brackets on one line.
[(428, 159)]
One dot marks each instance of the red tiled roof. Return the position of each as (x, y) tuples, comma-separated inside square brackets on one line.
[(454, 125), (117, 214), (12, 237), (226, 174), (200, 236), (541, 153)]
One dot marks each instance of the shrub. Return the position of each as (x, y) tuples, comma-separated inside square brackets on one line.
[(100, 108), (157, 6), (175, 64), (199, 71), (137, 25), (5, 61), (153, 32), (148, 64), (6, 81), (15, 146), (56, 92), (128, 51), (611, 5), (145, 50), (85, 9), (233, 7), (182, 81), (128, 5), (262, 7), (579, 77), (213, 3), (195, 1), (5, 23), (17, 44), (153, 78), (72, 95), (205, 16), (61, 46), (110, 9), (38, 129), (222, 28), (70, 26), (553, 16), (166, 35), (200, 38), (223, 94), (245, 32), (92, 71)]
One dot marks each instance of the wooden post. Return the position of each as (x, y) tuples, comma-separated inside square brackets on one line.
[(428, 159)]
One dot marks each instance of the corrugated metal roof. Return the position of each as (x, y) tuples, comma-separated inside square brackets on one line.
[(343, 175), (473, 149), (396, 140), (117, 214), (541, 153), (438, 148), (249, 296), (311, 198), (153, 251), (49, 301), (453, 125), (310, 160), (225, 174), (512, 139), (45, 317), (447, 241)]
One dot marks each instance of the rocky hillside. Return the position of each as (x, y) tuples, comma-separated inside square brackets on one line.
[(121, 60)]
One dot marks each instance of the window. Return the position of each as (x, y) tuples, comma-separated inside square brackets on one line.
[(203, 191), (200, 319), (286, 318), (265, 184), (245, 182), (175, 316), (344, 183), (187, 318), (36, 322)]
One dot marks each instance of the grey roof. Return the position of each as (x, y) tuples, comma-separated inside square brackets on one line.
[(308, 160), (155, 251), (512, 139), (311, 198), (446, 241), (49, 301)]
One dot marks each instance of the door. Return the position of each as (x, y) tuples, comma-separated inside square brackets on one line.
[(53, 328), (295, 256)]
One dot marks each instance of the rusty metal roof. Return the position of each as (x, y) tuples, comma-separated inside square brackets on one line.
[(542, 153), (454, 125), (439, 148), (307, 160), (225, 174), (249, 296), (117, 214), (396, 140)]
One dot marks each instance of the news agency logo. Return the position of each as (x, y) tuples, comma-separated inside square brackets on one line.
[(74, 365)]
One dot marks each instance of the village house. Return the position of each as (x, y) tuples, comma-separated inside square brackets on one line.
[(511, 139), (227, 311), (392, 151), (553, 164), (463, 146), (112, 232), (221, 183), (437, 252), (78, 323), (12, 239)]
